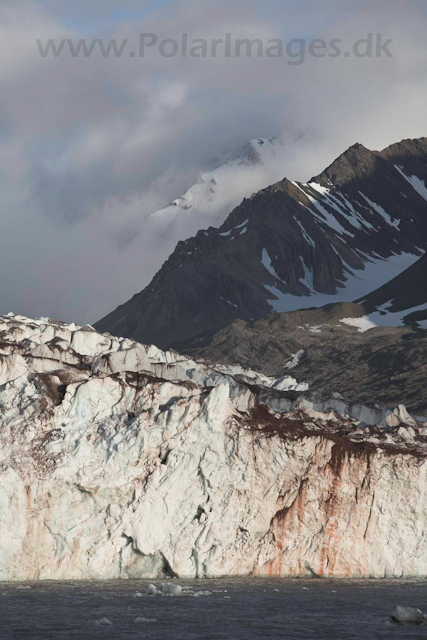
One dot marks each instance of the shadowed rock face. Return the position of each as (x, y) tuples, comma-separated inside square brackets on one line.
[(290, 246), (405, 295), (118, 460), (384, 364)]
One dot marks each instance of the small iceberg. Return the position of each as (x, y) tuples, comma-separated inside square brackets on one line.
[(164, 589), (142, 620), (199, 594), (172, 589), (408, 616), (103, 621)]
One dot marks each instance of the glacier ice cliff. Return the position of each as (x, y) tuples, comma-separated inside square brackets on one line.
[(118, 460)]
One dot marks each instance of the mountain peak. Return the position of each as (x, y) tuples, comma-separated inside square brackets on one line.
[(408, 146), (253, 151), (409, 156), (290, 246), (356, 146), (357, 161)]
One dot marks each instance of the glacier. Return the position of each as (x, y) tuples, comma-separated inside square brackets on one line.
[(119, 460)]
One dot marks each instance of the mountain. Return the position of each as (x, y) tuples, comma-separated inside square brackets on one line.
[(216, 192), (373, 349), (403, 300), (333, 347), (124, 461), (292, 245)]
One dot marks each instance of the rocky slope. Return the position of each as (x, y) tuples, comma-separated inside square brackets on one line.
[(333, 347), (292, 245), (403, 300), (118, 460)]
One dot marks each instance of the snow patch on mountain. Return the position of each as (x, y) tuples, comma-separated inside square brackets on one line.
[(268, 264), (418, 184), (387, 318), (226, 234), (295, 359), (321, 215), (358, 283), (341, 205), (306, 236), (380, 210), (363, 324)]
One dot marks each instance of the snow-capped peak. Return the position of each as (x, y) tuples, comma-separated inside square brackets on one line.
[(217, 192)]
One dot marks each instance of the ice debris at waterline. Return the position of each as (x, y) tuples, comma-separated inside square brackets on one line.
[(142, 620), (164, 590), (171, 589), (408, 616), (103, 621), (119, 460)]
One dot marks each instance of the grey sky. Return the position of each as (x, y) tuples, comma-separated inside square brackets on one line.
[(89, 147)]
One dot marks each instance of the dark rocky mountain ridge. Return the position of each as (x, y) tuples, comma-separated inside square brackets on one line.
[(289, 246), (383, 364)]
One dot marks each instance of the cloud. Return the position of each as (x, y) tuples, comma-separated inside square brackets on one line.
[(90, 147)]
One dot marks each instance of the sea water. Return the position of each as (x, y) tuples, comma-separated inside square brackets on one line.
[(237, 609)]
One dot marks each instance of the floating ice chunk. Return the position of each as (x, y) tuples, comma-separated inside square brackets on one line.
[(152, 590), (141, 620), (165, 589), (171, 589), (409, 616)]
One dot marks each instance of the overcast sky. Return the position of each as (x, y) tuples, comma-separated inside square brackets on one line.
[(89, 147)]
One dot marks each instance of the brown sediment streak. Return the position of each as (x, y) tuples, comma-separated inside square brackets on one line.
[(327, 559), (279, 527), (287, 523), (341, 454)]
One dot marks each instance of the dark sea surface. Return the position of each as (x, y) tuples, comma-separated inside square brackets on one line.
[(238, 609)]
